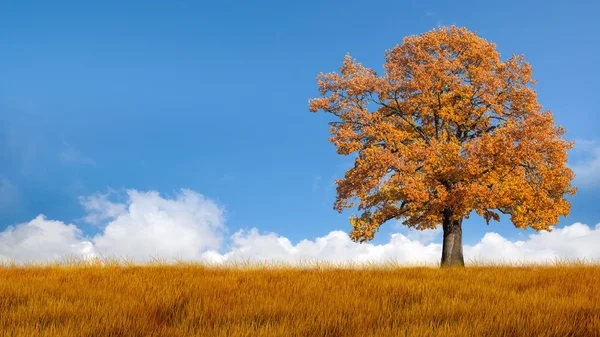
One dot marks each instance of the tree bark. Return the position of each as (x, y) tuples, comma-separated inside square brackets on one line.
[(452, 252)]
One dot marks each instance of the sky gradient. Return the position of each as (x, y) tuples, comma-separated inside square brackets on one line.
[(109, 109)]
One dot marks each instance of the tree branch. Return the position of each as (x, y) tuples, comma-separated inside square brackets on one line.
[(401, 115)]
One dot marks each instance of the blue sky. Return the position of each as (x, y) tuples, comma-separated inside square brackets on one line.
[(110, 96)]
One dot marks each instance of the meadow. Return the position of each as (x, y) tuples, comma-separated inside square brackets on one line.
[(113, 298)]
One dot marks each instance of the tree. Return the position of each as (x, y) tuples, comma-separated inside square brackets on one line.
[(449, 128)]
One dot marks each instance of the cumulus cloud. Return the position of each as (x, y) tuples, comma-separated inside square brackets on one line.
[(190, 227), (422, 236), (41, 240), (574, 241), (99, 208), (152, 226), (335, 247), (145, 226)]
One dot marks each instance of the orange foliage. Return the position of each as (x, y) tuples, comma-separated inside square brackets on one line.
[(448, 126)]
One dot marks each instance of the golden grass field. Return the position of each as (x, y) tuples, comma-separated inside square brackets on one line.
[(110, 298)]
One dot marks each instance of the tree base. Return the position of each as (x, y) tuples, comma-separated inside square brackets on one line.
[(452, 252)]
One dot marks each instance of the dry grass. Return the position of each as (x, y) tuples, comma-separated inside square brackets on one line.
[(108, 298)]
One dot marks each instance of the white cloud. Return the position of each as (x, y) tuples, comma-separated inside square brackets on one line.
[(574, 241), (335, 247), (587, 168), (99, 208), (147, 226), (153, 226), (422, 236), (42, 240), (189, 226)]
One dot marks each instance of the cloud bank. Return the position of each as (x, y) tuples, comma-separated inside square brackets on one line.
[(191, 227)]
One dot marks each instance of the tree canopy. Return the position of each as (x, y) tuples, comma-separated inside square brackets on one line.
[(447, 129)]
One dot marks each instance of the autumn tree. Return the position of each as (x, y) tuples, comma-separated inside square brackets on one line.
[(447, 129)]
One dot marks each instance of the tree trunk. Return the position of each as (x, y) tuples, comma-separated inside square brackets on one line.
[(452, 252)]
